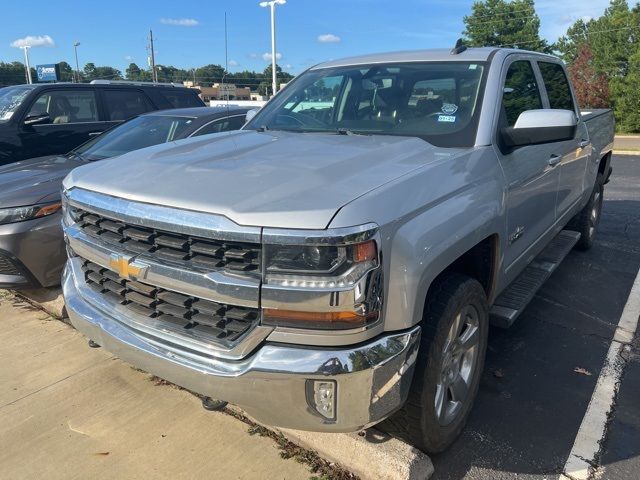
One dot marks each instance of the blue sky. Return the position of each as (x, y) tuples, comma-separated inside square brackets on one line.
[(191, 34)]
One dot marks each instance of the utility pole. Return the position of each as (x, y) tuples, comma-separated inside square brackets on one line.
[(26, 63), (154, 74), (75, 47)]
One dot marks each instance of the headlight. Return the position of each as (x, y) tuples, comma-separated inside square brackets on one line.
[(332, 282), (319, 266), (20, 214)]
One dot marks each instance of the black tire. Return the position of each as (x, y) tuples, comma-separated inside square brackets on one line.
[(587, 220), (418, 421)]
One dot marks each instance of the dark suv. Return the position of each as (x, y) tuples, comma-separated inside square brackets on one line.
[(49, 119)]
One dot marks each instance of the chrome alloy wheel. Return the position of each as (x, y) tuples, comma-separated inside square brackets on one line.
[(459, 364)]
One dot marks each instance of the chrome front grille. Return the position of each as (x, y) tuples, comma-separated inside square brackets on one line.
[(193, 316), (188, 251)]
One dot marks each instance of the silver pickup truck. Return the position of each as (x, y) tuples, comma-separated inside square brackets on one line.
[(337, 262)]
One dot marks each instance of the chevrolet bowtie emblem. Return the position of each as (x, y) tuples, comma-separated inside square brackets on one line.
[(126, 266)]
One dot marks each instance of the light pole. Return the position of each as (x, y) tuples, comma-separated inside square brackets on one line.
[(75, 47), (273, 4), (26, 62)]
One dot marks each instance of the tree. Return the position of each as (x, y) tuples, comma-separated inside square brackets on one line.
[(591, 86), (502, 23), (91, 72), (627, 105), (209, 74), (66, 72), (614, 42), (13, 73)]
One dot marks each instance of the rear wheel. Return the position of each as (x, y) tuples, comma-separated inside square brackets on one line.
[(449, 365), (587, 220)]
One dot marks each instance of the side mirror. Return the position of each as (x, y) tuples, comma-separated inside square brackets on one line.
[(37, 119), (539, 126), (250, 114)]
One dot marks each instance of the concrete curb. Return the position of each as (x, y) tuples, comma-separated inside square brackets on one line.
[(373, 456), (48, 299), (626, 152)]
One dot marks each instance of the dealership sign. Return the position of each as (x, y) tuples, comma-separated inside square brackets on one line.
[(47, 73)]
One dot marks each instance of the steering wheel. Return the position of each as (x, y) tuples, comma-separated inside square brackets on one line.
[(303, 120)]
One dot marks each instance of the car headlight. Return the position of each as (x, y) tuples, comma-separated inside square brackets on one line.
[(20, 214), (338, 279)]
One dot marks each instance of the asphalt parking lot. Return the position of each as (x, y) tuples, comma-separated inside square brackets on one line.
[(529, 409), (531, 401)]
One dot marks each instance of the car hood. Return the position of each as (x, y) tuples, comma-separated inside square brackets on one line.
[(269, 179), (29, 181)]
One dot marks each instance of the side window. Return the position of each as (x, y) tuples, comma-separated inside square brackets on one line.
[(557, 85), (520, 92), (222, 125), (125, 104), (67, 106), (179, 99)]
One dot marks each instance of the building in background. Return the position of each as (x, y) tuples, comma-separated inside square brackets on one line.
[(218, 91)]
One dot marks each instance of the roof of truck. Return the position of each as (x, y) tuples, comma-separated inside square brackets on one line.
[(481, 54)]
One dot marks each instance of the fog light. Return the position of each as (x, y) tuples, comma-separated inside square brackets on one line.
[(321, 396)]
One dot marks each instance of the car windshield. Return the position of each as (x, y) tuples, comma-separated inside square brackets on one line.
[(10, 99), (140, 132), (436, 101)]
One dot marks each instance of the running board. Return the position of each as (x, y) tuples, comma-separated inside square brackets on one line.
[(512, 301)]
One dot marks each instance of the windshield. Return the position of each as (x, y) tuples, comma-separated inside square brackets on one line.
[(10, 99), (436, 101), (139, 132)]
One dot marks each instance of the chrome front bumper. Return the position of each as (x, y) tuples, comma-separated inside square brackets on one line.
[(270, 384)]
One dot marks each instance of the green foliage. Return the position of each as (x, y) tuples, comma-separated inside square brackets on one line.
[(613, 41), (502, 23), (91, 72)]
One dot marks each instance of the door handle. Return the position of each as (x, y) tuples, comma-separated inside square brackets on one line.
[(584, 143), (93, 134), (554, 160)]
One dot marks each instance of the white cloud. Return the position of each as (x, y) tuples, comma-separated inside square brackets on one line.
[(267, 56), (556, 17), (253, 55), (233, 63), (288, 66), (180, 22), (328, 38), (34, 41), (128, 58)]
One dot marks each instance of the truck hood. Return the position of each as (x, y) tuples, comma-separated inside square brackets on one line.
[(269, 179), (29, 181)]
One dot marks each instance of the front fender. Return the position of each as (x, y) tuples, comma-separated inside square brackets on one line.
[(428, 220)]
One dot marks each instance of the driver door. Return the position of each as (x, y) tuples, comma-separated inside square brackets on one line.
[(73, 119), (531, 175)]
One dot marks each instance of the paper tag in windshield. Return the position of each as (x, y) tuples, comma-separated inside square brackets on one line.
[(6, 116), (446, 118)]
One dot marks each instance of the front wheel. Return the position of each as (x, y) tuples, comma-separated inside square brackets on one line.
[(449, 365), (587, 220)]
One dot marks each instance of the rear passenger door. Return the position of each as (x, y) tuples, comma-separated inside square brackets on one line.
[(532, 183), (575, 152), (122, 104), (73, 119)]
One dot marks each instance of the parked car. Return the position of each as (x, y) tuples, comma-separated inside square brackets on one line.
[(50, 119), (337, 261), (31, 243)]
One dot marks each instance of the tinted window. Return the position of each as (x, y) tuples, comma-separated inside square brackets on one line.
[(222, 125), (67, 106), (555, 81), (181, 99), (433, 101), (520, 91), (140, 132), (124, 104)]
